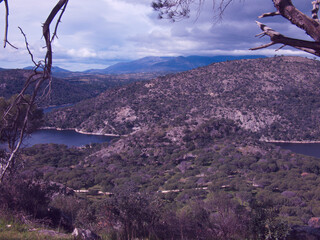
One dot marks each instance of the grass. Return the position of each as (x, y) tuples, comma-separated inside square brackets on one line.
[(14, 230)]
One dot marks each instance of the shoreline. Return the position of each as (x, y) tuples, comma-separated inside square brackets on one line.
[(116, 135), (79, 131), (293, 141)]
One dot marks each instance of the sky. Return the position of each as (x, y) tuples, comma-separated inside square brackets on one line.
[(98, 33)]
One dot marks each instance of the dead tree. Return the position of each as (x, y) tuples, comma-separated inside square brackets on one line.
[(18, 115), (174, 9), (311, 25)]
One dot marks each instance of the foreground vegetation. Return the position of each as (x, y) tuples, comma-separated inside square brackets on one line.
[(14, 230), (171, 181), (129, 214)]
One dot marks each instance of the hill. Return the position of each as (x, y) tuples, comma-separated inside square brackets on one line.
[(274, 97), (67, 87), (167, 64), (62, 92), (54, 69)]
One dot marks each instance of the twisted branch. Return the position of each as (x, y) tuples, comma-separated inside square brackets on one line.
[(277, 38), (311, 26), (37, 78)]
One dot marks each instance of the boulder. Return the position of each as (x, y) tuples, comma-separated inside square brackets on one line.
[(314, 222), (84, 234)]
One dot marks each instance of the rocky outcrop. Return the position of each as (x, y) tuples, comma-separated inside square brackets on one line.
[(314, 222), (84, 234)]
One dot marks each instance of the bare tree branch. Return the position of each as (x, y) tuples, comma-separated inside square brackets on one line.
[(296, 17), (37, 79), (46, 33), (315, 10), (276, 37), (58, 21), (181, 8), (311, 26), (7, 25), (270, 14), (178, 9), (27, 46)]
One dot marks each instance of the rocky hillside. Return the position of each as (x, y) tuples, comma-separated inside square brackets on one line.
[(277, 98)]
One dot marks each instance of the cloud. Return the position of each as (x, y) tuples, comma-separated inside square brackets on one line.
[(95, 34), (82, 53)]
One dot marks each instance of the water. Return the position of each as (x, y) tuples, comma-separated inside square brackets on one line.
[(67, 137), (72, 138), (50, 109), (310, 149)]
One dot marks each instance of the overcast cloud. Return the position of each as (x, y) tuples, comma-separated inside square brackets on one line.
[(98, 33)]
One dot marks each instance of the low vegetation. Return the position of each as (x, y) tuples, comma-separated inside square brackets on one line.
[(183, 167)]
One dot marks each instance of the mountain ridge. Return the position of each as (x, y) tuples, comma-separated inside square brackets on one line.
[(167, 64), (275, 97)]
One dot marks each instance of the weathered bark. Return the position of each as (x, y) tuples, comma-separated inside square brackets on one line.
[(277, 38), (311, 26)]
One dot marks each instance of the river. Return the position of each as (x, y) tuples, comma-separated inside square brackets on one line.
[(72, 138), (310, 149), (67, 137), (50, 109)]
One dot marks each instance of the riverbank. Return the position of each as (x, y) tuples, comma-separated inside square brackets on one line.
[(79, 131), (282, 141)]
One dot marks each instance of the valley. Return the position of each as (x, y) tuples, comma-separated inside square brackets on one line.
[(193, 145), (67, 87)]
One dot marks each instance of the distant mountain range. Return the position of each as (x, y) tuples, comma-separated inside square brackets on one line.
[(63, 90), (67, 87), (154, 65), (54, 69), (167, 64)]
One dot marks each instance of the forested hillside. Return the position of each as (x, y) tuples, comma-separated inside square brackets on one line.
[(277, 98), (67, 87), (186, 164)]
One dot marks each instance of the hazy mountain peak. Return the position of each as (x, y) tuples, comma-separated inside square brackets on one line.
[(166, 64)]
